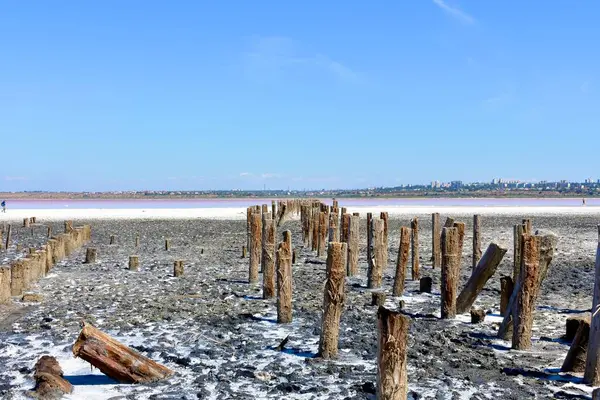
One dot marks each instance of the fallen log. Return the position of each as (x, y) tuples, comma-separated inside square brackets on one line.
[(49, 381), (116, 360)]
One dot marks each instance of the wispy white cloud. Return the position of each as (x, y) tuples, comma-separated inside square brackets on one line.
[(243, 174), (15, 178), (270, 175), (454, 12), (269, 54)]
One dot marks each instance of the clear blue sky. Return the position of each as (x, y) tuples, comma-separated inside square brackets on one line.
[(113, 95)]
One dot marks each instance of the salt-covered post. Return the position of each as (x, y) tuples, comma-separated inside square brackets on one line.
[(392, 378), (333, 299), (178, 268), (353, 237), (592, 366), (134, 263), (476, 240), (268, 256), (436, 250), (255, 246), (450, 272), (402, 261), (414, 226), (376, 273), (284, 279)]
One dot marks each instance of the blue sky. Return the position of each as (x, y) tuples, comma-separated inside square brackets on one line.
[(118, 95)]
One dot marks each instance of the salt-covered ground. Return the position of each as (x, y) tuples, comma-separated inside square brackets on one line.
[(216, 332)]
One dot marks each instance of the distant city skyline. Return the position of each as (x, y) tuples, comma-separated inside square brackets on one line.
[(192, 95)]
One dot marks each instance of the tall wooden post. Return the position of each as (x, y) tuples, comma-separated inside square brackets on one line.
[(268, 256), (333, 299), (316, 215), (248, 222), (527, 226), (518, 239), (369, 243), (592, 366), (384, 216), (323, 225), (506, 289), (273, 210), (461, 227), (255, 246), (414, 226), (8, 232), (436, 250), (178, 268), (450, 272), (284, 279), (353, 239), (526, 294), (476, 240), (376, 273), (392, 379), (334, 229), (344, 228), (402, 261)]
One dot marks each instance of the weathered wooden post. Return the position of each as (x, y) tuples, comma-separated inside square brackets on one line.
[(268, 256), (461, 227), (284, 279), (450, 272), (526, 294), (527, 226), (476, 240), (385, 216), (49, 232), (255, 246), (90, 255), (576, 357), (333, 299), (506, 288), (274, 210), (414, 226), (353, 236), (323, 225), (68, 226), (334, 229), (134, 263), (345, 227), (178, 268), (402, 261), (518, 240), (25, 222), (436, 250), (137, 240), (112, 239), (5, 280), (249, 211), (392, 379), (369, 243), (167, 244), (449, 222), (8, 232), (376, 273), (316, 215), (592, 366), (243, 251), (482, 273), (265, 208)]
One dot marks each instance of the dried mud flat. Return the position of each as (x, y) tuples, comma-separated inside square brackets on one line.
[(219, 335)]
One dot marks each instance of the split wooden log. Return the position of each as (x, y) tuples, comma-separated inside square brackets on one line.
[(450, 272), (482, 273), (178, 268), (284, 279), (506, 289), (392, 378), (333, 299), (90, 255), (255, 246), (134, 263), (116, 360), (376, 273), (268, 256), (402, 261), (576, 357), (414, 227), (49, 381), (592, 366), (476, 240), (436, 250), (353, 237)]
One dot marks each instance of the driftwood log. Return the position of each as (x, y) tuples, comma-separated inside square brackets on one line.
[(116, 360), (49, 381)]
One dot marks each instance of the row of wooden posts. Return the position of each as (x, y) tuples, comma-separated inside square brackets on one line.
[(17, 277), (519, 293)]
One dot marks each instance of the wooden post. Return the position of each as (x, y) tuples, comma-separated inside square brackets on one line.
[(376, 273), (333, 299), (243, 251), (273, 210), (265, 208), (576, 357), (436, 250), (68, 226), (449, 222), (384, 216), (49, 381), (526, 294), (402, 261), (167, 244), (116, 360), (90, 256), (506, 289), (284, 279), (592, 366), (460, 226), (112, 239), (353, 237), (345, 227), (268, 256), (178, 268), (450, 272), (248, 222), (414, 226), (255, 246), (392, 379), (316, 216), (5, 280), (369, 243), (323, 225), (25, 222), (518, 239), (137, 240), (527, 226), (481, 274), (49, 232), (8, 232), (134, 263), (476, 240), (334, 229)]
